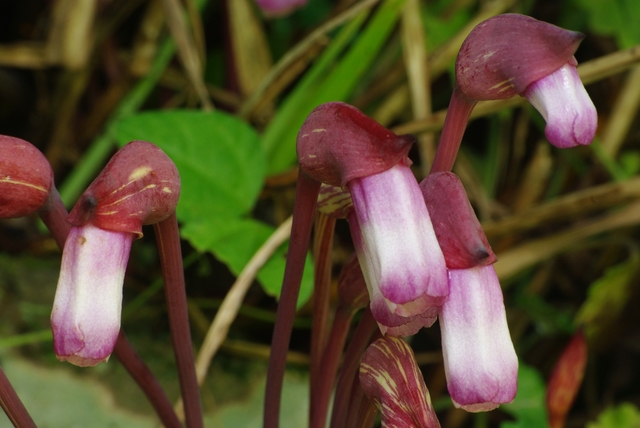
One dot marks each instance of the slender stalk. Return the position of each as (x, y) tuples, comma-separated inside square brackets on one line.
[(168, 239), (54, 216), (362, 411), (329, 366), (359, 342), (303, 212), (323, 243), (455, 123), (147, 381), (12, 406)]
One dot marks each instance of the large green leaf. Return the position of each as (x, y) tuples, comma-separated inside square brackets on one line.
[(529, 406), (235, 240), (626, 415), (221, 163), (618, 18)]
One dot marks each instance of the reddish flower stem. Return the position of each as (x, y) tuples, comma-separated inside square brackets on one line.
[(13, 407), (168, 238), (362, 411), (305, 207), (54, 215), (146, 380), (359, 342), (329, 366), (323, 243), (455, 123)]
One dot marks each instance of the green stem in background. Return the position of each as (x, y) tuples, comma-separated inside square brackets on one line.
[(168, 238), (147, 381), (303, 212), (100, 149), (323, 244), (359, 342), (12, 406), (455, 123)]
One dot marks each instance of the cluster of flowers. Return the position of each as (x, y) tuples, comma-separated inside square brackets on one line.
[(420, 246)]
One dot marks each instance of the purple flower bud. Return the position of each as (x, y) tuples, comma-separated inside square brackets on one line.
[(562, 100), (479, 360), (25, 178), (86, 310), (390, 376), (459, 232), (140, 185), (397, 248), (503, 55)]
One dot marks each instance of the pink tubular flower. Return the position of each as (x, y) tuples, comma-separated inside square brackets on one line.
[(562, 100), (277, 8), (402, 263), (514, 54), (140, 185), (479, 359), (400, 257)]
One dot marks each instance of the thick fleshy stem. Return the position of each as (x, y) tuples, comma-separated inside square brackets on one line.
[(455, 123), (307, 191), (12, 405), (168, 239), (139, 371), (359, 342), (323, 243), (53, 215)]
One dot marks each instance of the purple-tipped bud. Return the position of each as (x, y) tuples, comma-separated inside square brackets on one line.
[(503, 55), (86, 310), (25, 178), (140, 185), (277, 8), (564, 103), (479, 360), (459, 232), (397, 248), (338, 143), (390, 376)]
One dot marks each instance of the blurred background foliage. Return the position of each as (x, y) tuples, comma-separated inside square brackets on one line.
[(223, 90)]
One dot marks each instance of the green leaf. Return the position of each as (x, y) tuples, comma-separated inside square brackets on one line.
[(234, 241), (614, 17), (626, 415), (323, 83), (221, 163), (529, 407), (607, 297)]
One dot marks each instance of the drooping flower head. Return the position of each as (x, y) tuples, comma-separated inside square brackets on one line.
[(26, 178), (402, 263), (513, 54), (140, 185), (277, 8), (480, 362)]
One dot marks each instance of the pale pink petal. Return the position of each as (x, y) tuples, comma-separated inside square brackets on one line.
[(479, 359), (562, 100), (88, 302)]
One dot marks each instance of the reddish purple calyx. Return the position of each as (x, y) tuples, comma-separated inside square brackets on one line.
[(25, 178), (277, 8), (505, 54), (457, 228), (140, 185), (338, 143)]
